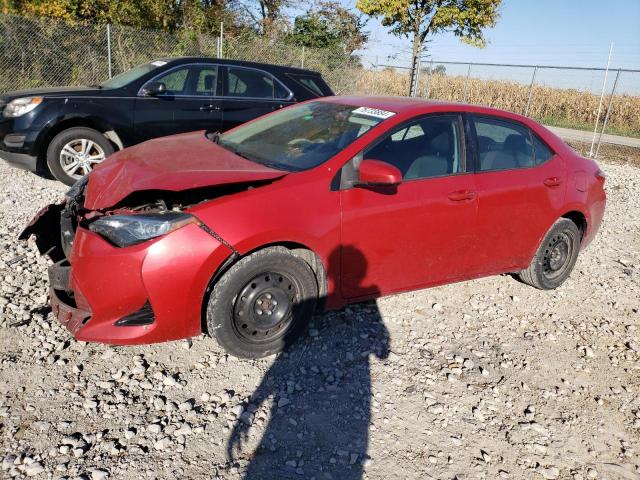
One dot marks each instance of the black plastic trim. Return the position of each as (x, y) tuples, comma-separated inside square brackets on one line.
[(144, 316)]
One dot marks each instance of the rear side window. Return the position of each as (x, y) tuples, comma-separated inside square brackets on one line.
[(541, 150), (503, 145), (251, 83), (206, 81), (313, 84)]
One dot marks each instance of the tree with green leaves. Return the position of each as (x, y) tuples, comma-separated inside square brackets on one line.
[(418, 19), (166, 15), (330, 26)]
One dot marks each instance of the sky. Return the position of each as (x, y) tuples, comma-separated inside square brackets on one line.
[(537, 32)]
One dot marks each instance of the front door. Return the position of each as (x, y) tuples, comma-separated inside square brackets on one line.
[(420, 232), (189, 103)]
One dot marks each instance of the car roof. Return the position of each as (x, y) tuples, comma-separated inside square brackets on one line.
[(413, 105), (241, 63)]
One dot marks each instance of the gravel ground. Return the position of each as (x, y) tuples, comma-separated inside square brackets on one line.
[(482, 379)]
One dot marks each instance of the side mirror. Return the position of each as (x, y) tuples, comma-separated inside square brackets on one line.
[(154, 88), (376, 173)]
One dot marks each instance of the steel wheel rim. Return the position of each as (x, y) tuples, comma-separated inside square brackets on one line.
[(78, 157), (263, 310), (557, 255)]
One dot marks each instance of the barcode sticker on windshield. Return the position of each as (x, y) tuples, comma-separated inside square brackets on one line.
[(159, 63), (374, 112)]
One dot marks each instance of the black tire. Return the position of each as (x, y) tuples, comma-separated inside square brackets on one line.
[(553, 262), (100, 146), (262, 304)]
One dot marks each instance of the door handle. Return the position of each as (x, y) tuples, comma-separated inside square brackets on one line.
[(462, 195), (209, 108), (552, 181)]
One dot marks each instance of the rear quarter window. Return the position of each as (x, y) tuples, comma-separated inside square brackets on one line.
[(313, 84), (541, 150)]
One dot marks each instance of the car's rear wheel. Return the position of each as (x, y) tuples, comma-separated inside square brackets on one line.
[(74, 152), (555, 258), (262, 304)]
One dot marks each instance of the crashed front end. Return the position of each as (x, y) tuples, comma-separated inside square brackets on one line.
[(126, 288)]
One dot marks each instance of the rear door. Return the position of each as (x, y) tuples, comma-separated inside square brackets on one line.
[(250, 93), (189, 103), (520, 185), (420, 232)]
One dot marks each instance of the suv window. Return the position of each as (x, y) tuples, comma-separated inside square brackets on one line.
[(175, 81), (206, 81), (313, 83), (502, 144), (542, 151), (428, 147), (251, 83)]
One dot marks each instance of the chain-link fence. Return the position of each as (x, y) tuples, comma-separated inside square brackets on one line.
[(36, 52), (568, 97)]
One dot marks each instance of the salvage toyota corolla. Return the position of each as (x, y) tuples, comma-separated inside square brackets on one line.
[(243, 235)]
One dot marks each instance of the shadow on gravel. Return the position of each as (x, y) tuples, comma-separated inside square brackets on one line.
[(321, 395)]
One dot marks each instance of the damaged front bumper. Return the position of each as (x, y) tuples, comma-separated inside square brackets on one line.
[(146, 293)]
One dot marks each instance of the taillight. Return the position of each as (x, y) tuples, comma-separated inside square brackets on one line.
[(600, 176)]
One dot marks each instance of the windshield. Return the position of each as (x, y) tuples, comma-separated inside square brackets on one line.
[(129, 76), (303, 136)]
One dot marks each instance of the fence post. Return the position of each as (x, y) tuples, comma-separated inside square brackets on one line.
[(533, 79), (109, 47), (604, 84), (466, 83), (221, 37), (429, 78), (302, 60), (606, 116)]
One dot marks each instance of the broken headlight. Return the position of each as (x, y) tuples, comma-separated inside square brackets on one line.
[(126, 230)]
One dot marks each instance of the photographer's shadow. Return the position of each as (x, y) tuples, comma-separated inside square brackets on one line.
[(320, 392)]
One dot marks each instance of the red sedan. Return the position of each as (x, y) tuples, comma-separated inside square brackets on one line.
[(325, 203)]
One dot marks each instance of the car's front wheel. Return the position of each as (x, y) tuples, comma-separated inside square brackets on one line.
[(262, 304), (74, 152), (555, 258)]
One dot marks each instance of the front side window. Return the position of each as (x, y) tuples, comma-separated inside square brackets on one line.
[(428, 147), (303, 136), (175, 81), (502, 144), (251, 83)]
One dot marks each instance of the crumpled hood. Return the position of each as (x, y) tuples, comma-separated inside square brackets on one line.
[(174, 163)]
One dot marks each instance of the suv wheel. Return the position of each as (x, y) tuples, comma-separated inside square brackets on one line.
[(262, 304), (73, 153)]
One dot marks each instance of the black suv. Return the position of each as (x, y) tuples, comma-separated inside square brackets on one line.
[(66, 131)]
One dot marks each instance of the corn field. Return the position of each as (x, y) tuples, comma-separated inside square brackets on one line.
[(555, 106)]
